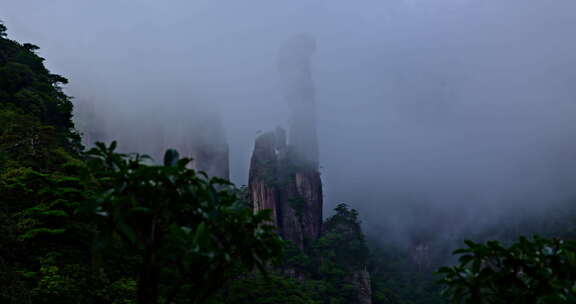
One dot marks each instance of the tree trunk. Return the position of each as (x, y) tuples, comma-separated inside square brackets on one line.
[(148, 280)]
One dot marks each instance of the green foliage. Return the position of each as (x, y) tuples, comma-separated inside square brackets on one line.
[(342, 252), (298, 204), (31, 99), (272, 289), (58, 284), (2, 30), (195, 229), (322, 273), (243, 194), (333, 259), (533, 270), (395, 280), (343, 239), (40, 196), (123, 291)]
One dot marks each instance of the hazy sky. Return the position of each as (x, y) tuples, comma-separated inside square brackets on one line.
[(439, 102)]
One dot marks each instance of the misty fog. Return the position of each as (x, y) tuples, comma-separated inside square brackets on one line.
[(422, 104)]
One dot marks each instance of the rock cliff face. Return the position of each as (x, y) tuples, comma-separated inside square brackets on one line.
[(361, 282), (303, 202), (292, 189), (284, 175), (263, 180)]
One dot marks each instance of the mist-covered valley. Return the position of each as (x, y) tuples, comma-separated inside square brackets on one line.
[(438, 120)]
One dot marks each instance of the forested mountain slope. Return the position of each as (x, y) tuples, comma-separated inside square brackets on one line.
[(38, 157)]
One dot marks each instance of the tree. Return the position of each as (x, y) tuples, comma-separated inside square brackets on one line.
[(191, 232), (2, 30), (536, 270), (344, 238), (39, 182), (341, 253), (272, 289)]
